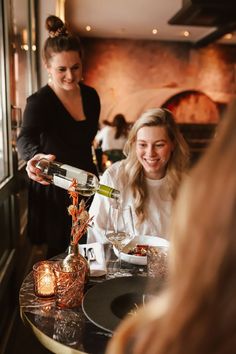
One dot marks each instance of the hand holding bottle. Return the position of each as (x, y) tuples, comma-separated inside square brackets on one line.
[(34, 172)]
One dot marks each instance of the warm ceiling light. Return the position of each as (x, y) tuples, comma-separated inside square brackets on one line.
[(154, 31), (228, 36), (186, 33), (24, 47), (88, 28)]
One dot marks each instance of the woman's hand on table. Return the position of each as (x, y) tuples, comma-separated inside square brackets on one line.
[(33, 172)]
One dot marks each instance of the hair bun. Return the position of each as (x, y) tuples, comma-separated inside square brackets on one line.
[(55, 26)]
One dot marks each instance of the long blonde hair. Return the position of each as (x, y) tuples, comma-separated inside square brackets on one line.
[(201, 312), (176, 166)]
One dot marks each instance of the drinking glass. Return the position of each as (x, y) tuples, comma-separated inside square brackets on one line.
[(157, 264), (119, 231)]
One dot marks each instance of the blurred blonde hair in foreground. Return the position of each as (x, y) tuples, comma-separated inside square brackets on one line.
[(196, 313)]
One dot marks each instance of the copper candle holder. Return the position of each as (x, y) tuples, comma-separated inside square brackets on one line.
[(69, 285), (44, 279)]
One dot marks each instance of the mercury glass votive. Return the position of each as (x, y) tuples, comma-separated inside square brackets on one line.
[(157, 265), (44, 279), (69, 285)]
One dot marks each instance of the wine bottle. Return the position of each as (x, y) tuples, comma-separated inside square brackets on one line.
[(62, 175)]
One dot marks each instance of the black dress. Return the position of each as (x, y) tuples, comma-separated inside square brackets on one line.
[(49, 128)]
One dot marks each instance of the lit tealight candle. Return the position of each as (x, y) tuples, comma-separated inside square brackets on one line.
[(44, 279)]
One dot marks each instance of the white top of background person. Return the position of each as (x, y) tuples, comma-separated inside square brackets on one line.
[(113, 136)]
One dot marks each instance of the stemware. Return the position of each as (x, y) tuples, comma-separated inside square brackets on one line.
[(119, 231)]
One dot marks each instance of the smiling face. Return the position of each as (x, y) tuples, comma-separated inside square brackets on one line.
[(65, 69), (153, 150)]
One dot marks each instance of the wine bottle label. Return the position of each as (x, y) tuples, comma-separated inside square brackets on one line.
[(73, 172), (55, 169), (61, 182)]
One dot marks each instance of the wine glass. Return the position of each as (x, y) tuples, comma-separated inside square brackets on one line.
[(119, 231)]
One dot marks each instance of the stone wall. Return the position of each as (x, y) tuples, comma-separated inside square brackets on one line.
[(133, 75)]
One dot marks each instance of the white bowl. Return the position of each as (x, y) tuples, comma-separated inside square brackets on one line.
[(140, 240)]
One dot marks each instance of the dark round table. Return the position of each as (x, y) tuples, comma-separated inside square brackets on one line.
[(66, 330)]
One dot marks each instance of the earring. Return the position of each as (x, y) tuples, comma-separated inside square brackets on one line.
[(49, 78)]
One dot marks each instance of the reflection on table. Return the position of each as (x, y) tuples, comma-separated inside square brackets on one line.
[(65, 331)]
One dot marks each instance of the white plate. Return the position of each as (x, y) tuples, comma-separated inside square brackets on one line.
[(140, 240)]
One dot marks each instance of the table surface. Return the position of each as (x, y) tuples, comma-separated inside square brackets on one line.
[(65, 330)]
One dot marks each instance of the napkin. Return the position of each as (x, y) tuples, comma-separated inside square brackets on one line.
[(97, 263)]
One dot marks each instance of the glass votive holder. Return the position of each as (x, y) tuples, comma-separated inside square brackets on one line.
[(157, 264), (69, 285), (68, 327), (44, 279)]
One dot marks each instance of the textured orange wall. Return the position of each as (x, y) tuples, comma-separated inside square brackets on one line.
[(133, 75)]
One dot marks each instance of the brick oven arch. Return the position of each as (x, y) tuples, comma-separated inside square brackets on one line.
[(188, 105), (193, 106)]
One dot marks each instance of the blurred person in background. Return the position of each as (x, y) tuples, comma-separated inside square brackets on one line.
[(112, 138), (196, 313), (60, 122)]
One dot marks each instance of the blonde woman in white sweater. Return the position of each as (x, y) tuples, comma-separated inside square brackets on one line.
[(148, 179)]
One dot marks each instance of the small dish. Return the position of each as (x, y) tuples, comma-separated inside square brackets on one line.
[(140, 240)]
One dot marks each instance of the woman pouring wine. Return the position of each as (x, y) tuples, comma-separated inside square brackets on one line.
[(60, 121)]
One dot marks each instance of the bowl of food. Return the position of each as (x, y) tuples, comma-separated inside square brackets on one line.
[(136, 251)]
